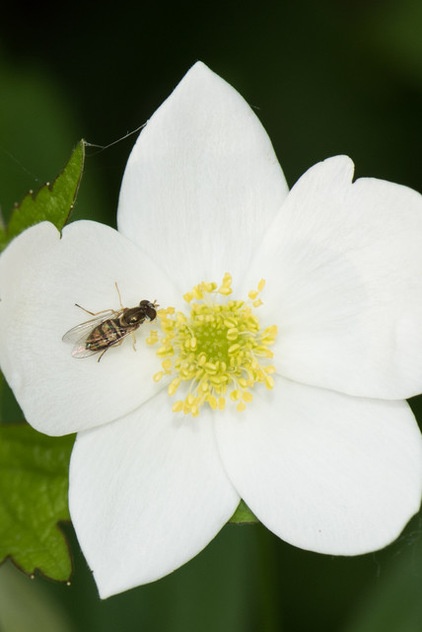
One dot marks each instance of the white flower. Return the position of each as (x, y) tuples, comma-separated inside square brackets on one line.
[(327, 453)]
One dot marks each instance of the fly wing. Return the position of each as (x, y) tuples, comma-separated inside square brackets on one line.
[(81, 331), (78, 335), (80, 351)]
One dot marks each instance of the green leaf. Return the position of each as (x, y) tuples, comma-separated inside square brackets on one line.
[(52, 202), (243, 515), (33, 499)]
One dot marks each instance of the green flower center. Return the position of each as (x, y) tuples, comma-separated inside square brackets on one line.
[(218, 350)]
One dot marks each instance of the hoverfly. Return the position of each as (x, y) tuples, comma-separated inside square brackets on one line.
[(108, 328)]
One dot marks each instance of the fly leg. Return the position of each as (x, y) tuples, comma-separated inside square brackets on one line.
[(103, 311), (115, 344), (118, 293), (133, 341)]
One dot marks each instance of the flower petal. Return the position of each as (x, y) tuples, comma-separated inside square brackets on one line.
[(202, 182), (41, 279), (343, 264), (324, 471), (147, 493)]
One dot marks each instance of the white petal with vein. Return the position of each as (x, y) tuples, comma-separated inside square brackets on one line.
[(325, 472), (202, 182), (343, 267), (147, 493)]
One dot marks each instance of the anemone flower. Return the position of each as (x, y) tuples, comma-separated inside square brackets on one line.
[(289, 335)]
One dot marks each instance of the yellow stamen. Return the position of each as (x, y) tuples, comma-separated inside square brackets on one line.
[(218, 351)]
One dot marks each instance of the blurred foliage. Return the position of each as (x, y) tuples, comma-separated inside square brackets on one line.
[(25, 604), (325, 77), (396, 35), (38, 128), (394, 603)]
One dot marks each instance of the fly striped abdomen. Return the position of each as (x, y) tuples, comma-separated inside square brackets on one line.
[(109, 333)]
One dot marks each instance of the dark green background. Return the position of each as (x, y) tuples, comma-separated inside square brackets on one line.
[(325, 77)]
